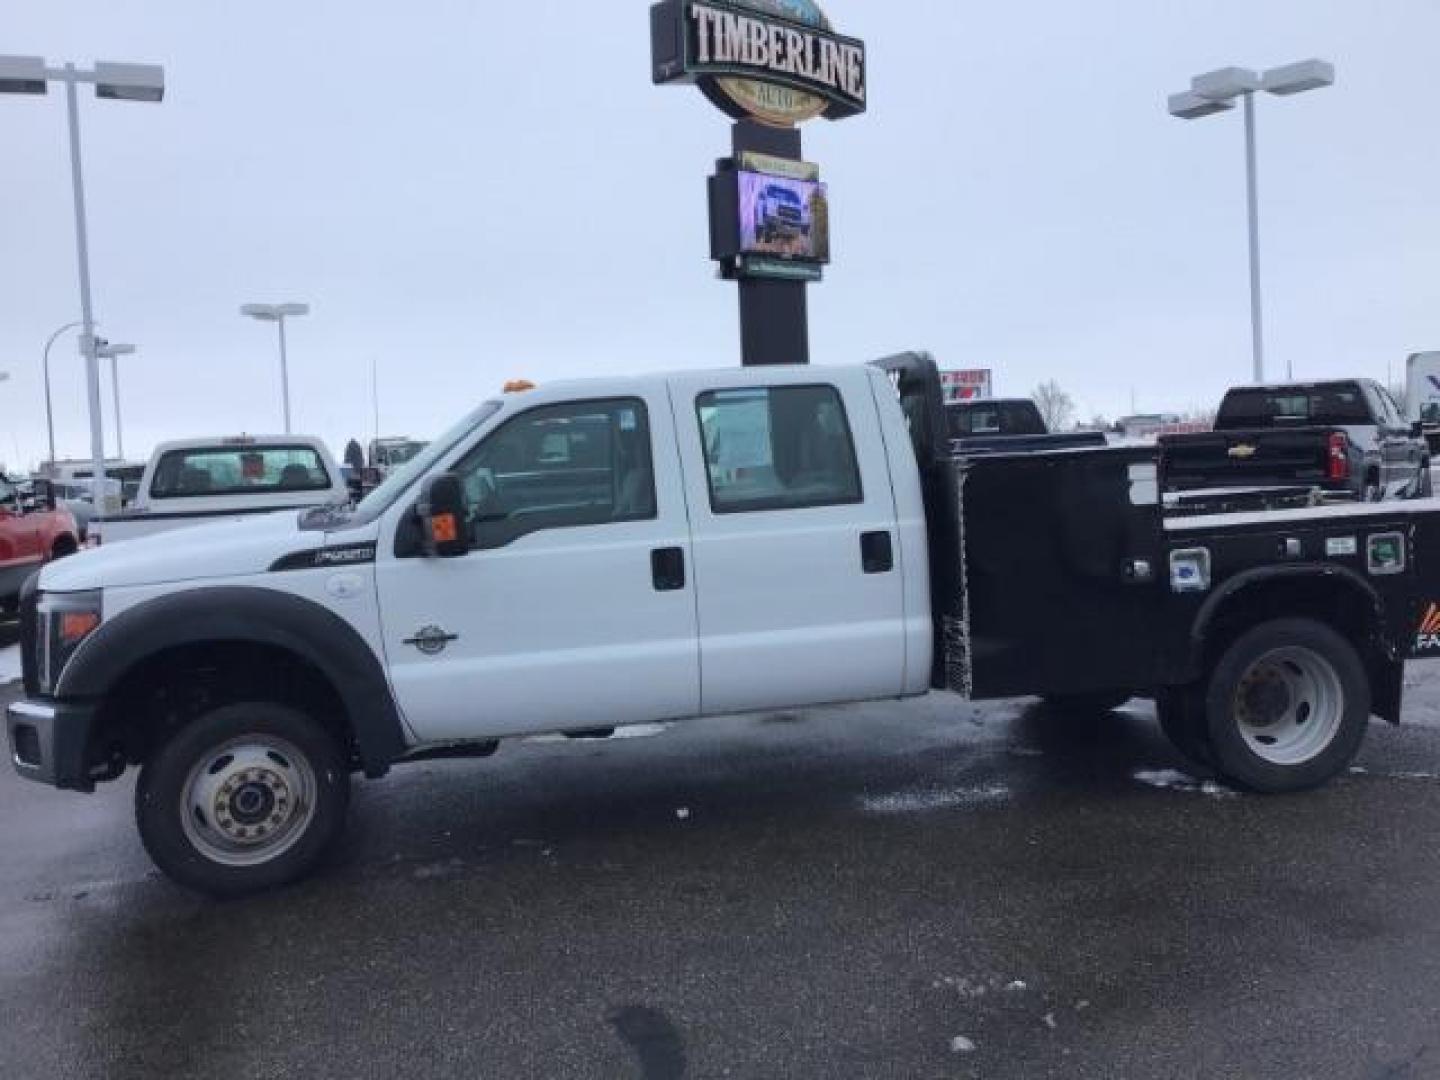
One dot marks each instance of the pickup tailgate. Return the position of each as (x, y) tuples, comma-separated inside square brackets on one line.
[(1258, 458)]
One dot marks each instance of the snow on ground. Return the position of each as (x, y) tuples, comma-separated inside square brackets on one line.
[(920, 800), (640, 731), (1175, 780), (9, 664), (629, 731)]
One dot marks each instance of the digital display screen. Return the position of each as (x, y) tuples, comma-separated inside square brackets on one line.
[(784, 218)]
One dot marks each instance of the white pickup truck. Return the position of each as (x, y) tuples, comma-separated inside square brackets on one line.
[(614, 551), (197, 481)]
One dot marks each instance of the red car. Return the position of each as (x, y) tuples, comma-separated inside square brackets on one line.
[(33, 531)]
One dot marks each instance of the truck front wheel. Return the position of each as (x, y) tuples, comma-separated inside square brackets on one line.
[(1287, 706), (245, 797)]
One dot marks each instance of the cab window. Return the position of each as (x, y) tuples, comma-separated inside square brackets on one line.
[(560, 466), (777, 448), (238, 470)]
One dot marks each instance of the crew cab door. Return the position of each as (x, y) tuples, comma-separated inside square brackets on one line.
[(575, 607), (798, 581)]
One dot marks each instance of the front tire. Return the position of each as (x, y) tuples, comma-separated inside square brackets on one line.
[(244, 798), (1287, 706)]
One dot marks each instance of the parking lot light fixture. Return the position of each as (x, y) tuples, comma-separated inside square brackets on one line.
[(1297, 78), (1226, 84), (1216, 91), (112, 81), (114, 351), (23, 75), (278, 313), (130, 82), (49, 409), (1191, 106)]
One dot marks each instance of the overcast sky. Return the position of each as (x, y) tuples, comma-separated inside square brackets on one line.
[(469, 192)]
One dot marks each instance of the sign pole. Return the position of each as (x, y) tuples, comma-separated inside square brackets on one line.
[(770, 67), (774, 316)]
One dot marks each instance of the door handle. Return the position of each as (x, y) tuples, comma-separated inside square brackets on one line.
[(667, 569), (877, 555)]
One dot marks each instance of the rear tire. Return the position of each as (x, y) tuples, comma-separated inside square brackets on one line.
[(1287, 706), (246, 797), (1091, 704)]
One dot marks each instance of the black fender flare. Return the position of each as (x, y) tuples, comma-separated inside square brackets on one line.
[(1342, 576), (256, 616)]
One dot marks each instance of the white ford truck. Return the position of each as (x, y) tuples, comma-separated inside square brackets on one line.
[(197, 481), (645, 549)]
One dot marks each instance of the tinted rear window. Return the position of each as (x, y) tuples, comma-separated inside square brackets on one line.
[(994, 418), (1293, 406), (238, 470)]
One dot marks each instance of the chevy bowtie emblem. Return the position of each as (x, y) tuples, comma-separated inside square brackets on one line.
[(1243, 451), (431, 640)]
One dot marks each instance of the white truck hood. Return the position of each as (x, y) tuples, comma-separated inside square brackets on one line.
[(223, 549)]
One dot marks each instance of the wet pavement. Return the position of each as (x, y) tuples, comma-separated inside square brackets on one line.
[(928, 889)]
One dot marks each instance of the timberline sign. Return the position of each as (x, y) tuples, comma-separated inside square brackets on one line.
[(776, 61)]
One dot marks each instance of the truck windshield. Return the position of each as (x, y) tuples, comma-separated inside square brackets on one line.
[(1293, 406)]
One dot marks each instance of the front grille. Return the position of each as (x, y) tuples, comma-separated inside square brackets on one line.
[(29, 622)]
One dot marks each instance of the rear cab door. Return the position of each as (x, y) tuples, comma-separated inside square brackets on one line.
[(799, 586)]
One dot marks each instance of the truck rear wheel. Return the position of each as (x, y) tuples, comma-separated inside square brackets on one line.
[(1287, 706), (244, 798)]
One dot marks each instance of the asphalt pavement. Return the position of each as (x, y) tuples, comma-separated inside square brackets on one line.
[(924, 889)]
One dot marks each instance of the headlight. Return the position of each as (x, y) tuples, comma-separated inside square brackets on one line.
[(63, 622)]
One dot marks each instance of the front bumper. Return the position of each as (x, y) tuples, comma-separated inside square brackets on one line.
[(49, 741)]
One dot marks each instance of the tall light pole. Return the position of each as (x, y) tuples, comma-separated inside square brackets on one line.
[(1215, 92), (49, 409), (103, 348), (278, 313), (117, 82)]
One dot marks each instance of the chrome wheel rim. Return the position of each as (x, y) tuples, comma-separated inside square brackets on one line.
[(1289, 705), (248, 801)]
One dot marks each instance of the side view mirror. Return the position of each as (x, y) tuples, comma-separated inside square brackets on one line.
[(1417, 430), (443, 525)]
